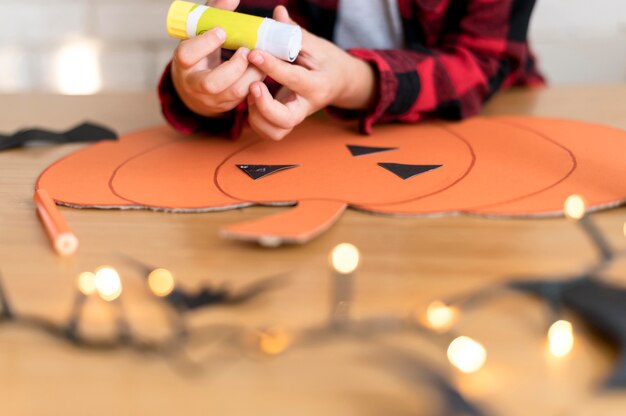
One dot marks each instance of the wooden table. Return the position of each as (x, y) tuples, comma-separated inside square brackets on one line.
[(406, 264)]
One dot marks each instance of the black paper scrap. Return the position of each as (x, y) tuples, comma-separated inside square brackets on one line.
[(83, 133)]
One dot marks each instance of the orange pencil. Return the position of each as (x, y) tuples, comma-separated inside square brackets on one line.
[(62, 238)]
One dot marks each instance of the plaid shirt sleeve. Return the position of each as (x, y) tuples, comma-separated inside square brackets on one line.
[(486, 51), (466, 51)]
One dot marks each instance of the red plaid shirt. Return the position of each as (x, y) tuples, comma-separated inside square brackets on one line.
[(457, 54)]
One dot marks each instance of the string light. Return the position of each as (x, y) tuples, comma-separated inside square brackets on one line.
[(440, 316), (108, 283), (87, 283), (274, 341), (575, 207), (467, 355), (624, 229), (464, 353), (161, 282), (345, 258), (561, 338)]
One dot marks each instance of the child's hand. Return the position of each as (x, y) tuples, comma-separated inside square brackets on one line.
[(323, 75), (206, 85)]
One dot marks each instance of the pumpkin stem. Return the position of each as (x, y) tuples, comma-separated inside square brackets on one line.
[(298, 225)]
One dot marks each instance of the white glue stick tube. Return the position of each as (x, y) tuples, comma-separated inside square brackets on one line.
[(186, 20)]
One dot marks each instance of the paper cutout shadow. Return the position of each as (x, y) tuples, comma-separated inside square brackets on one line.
[(498, 166)]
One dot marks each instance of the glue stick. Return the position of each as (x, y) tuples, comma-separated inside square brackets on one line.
[(186, 20)]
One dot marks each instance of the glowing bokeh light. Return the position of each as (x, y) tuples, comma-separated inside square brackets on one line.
[(345, 258), (161, 282), (467, 355), (440, 316), (575, 207), (108, 283), (561, 338), (76, 68), (87, 283)]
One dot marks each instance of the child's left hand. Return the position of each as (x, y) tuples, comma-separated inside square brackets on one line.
[(323, 75)]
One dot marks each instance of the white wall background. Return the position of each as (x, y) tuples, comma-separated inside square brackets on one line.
[(581, 41), (577, 41), (128, 36)]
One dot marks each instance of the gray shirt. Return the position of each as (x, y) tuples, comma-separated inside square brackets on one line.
[(371, 24)]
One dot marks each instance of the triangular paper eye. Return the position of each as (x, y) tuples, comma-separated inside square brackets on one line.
[(261, 171), (408, 171), (367, 150)]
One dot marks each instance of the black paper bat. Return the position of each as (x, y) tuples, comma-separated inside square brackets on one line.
[(600, 306), (604, 308), (415, 371), (86, 132), (208, 296), (184, 300)]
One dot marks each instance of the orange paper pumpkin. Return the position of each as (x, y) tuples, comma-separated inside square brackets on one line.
[(500, 166)]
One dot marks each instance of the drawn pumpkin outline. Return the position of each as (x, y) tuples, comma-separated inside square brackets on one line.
[(511, 166)]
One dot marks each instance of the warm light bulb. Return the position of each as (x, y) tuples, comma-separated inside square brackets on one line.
[(440, 316), (108, 283), (561, 338), (345, 258), (466, 354), (76, 68), (161, 282), (274, 341), (575, 207), (624, 229), (87, 283)]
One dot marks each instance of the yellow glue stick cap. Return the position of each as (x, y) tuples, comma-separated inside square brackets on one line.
[(177, 18)]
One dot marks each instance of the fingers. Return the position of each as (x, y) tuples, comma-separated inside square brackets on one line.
[(232, 94), (272, 110), (241, 88), (309, 41), (223, 4), (291, 76), (214, 81), (282, 15), (274, 118), (262, 126), (230, 71), (193, 51), (288, 75)]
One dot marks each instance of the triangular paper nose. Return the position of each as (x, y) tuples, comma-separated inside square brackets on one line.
[(260, 171), (408, 171), (366, 150)]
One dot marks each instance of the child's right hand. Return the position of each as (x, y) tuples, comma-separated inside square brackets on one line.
[(208, 86)]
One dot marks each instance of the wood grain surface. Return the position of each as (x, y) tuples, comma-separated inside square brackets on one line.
[(406, 264)]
